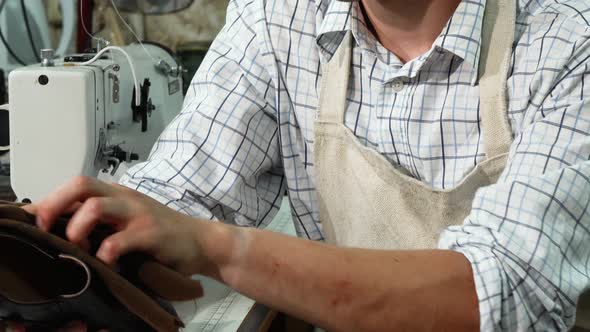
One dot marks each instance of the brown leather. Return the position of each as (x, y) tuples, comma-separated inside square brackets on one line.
[(161, 280)]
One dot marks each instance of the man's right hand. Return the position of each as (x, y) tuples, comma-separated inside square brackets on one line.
[(141, 224)]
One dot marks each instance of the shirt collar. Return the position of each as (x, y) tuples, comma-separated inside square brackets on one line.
[(461, 36), (335, 21), (462, 33)]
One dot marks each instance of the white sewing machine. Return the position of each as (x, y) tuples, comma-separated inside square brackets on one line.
[(68, 119)]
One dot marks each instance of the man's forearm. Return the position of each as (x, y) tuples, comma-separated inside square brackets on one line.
[(344, 289)]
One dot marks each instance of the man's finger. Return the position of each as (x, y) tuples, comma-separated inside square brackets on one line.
[(124, 242), (95, 210), (76, 190), (30, 208)]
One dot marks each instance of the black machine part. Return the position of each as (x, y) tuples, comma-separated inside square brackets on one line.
[(82, 57), (142, 111), (4, 130)]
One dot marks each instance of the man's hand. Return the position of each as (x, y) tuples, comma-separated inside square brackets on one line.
[(140, 223)]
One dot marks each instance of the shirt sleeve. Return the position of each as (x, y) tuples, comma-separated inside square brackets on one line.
[(527, 237), (220, 158)]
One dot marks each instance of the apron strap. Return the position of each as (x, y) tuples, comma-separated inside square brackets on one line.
[(496, 51), (335, 79)]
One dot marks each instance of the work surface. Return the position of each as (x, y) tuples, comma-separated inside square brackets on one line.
[(223, 309)]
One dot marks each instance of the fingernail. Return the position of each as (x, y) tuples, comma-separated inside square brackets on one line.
[(102, 256), (30, 208)]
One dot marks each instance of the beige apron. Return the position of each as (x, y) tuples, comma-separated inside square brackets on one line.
[(367, 202)]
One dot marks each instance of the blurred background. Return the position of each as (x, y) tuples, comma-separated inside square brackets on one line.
[(186, 27), (187, 30)]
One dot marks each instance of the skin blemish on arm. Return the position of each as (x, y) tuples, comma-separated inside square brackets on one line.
[(343, 284), (342, 293), (275, 267), (335, 302)]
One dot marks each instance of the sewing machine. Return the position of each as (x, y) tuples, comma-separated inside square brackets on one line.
[(68, 119)]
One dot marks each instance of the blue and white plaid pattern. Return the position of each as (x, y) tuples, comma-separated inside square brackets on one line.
[(245, 136)]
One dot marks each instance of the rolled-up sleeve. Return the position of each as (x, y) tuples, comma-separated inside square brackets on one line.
[(528, 236), (219, 158)]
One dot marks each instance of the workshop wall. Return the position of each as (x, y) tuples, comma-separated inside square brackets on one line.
[(189, 32), (198, 24)]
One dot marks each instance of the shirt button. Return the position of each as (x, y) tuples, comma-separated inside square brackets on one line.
[(397, 85)]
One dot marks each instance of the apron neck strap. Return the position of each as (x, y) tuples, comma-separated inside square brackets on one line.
[(496, 52), (335, 80)]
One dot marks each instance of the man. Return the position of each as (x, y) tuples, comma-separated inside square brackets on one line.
[(409, 84)]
